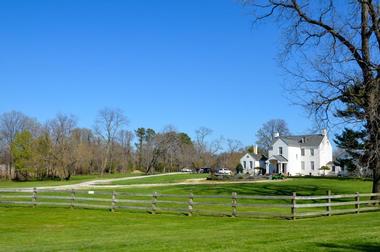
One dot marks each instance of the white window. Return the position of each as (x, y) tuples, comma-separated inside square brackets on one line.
[(302, 152), (312, 165), (251, 164), (312, 152), (303, 165), (245, 164), (280, 150)]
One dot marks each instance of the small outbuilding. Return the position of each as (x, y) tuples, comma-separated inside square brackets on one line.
[(253, 163)]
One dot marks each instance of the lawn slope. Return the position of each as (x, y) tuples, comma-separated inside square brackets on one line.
[(43, 229)]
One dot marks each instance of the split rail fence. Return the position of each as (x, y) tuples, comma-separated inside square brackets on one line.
[(277, 206)]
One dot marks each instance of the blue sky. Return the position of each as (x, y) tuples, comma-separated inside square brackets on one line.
[(183, 63)]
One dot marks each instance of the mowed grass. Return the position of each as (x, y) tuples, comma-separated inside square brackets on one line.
[(171, 178), (45, 229), (303, 186), (73, 180), (63, 229)]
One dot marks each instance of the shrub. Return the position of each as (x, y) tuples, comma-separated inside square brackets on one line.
[(239, 168), (278, 176)]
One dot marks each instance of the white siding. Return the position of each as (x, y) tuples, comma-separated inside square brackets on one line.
[(322, 156), (248, 169), (325, 152), (294, 164)]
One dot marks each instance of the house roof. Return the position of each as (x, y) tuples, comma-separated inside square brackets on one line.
[(257, 156), (279, 158), (302, 140)]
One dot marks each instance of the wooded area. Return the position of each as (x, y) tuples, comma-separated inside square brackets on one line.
[(58, 148)]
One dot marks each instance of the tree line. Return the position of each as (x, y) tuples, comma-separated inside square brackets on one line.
[(59, 149)]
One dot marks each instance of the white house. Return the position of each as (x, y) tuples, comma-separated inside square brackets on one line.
[(251, 161), (300, 155)]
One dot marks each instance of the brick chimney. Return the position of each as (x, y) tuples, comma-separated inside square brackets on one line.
[(255, 149)]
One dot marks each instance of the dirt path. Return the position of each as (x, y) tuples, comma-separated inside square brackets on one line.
[(94, 183), (201, 181)]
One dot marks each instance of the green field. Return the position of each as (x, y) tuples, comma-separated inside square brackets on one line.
[(174, 178), (303, 186), (73, 180), (62, 229), (42, 229)]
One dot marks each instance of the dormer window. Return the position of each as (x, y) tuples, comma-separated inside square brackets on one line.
[(280, 150)]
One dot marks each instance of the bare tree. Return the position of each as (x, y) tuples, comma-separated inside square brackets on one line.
[(265, 135), (61, 129), (125, 140), (233, 147), (334, 47), (201, 134), (201, 146), (107, 126)]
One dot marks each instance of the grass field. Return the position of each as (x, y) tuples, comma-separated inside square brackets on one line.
[(73, 180), (303, 186), (62, 229), (42, 229), (161, 179)]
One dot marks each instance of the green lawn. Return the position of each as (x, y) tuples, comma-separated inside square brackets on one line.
[(73, 180), (173, 178), (41, 229), (303, 186), (62, 229)]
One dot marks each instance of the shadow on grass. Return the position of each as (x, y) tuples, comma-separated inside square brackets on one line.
[(365, 247), (248, 189)]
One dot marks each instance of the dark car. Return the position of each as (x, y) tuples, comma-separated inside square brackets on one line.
[(205, 170)]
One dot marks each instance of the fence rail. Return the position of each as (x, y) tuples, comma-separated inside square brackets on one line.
[(275, 206)]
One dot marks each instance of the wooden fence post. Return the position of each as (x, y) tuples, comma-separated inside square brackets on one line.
[(234, 204), (34, 197), (357, 205), (293, 207), (154, 203), (328, 208), (113, 201), (190, 207), (72, 198)]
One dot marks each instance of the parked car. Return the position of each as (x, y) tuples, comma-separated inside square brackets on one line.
[(223, 171), (205, 170), (187, 170)]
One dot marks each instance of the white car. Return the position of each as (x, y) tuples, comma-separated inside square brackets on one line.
[(187, 170), (224, 171)]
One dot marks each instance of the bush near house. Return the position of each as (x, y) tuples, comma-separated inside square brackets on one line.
[(278, 176)]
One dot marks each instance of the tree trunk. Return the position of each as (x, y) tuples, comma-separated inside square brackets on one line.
[(373, 127)]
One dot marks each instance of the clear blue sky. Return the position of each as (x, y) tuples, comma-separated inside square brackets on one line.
[(184, 63)]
